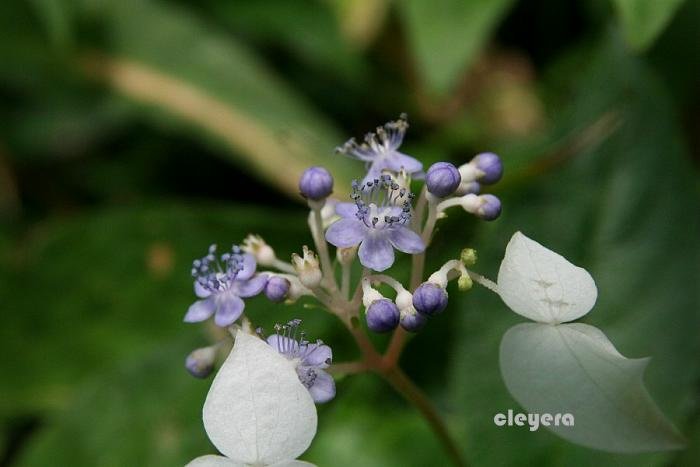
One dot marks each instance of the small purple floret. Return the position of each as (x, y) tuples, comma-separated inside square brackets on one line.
[(316, 183), (221, 282), (442, 179), (430, 299), (379, 150), (490, 209), (490, 164), (379, 223), (311, 359), (382, 315), (277, 289)]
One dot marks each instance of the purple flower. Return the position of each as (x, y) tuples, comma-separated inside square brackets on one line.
[(382, 212), (221, 283), (380, 150), (310, 359)]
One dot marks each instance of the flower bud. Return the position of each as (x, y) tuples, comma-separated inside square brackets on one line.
[(277, 289), (411, 320), (307, 268), (489, 166), (346, 255), (468, 256), (382, 315), (486, 207), (256, 246), (200, 362), (316, 183), (490, 207), (442, 179), (430, 299), (464, 282)]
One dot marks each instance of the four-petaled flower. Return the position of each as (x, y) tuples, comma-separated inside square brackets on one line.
[(377, 222), (310, 359), (380, 150), (221, 283)]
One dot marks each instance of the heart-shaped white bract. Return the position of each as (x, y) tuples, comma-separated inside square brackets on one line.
[(539, 284), (554, 368), (574, 368), (257, 411), (219, 461)]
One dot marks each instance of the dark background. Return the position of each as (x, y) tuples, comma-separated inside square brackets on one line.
[(133, 134)]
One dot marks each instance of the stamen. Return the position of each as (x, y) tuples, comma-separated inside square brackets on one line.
[(384, 194), (385, 139)]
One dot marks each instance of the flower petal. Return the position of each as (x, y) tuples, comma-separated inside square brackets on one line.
[(346, 210), (406, 240), (257, 412), (249, 266), (319, 356), (200, 291), (201, 310), (323, 388), (294, 463), (250, 288), (346, 233), (282, 344), (376, 252), (213, 461), (230, 307), (397, 161)]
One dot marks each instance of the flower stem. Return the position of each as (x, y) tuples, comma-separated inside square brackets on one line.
[(322, 247)]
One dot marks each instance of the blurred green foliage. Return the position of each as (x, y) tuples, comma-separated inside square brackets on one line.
[(137, 133)]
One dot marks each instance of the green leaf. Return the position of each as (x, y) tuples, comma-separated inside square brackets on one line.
[(98, 289), (145, 413), (623, 210), (643, 20), (162, 56), (447, 36), (574, 369)]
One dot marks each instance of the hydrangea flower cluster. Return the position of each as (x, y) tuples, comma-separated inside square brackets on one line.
[(378, 221), (380, 217)]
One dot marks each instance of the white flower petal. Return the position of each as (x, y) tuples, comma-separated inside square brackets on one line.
[(293, 464), (213, 461), (257, 411), (539, 284), (575, 369)]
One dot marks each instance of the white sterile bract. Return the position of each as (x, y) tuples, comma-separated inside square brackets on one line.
[(539, 284), (574, 368), (257, 411), (554, 367)]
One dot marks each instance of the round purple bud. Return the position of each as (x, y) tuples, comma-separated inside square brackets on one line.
[(430, 299), (277, 289), (490, 164), (490, 208), (200, 362), (442, 179), (412, 321), (316, 183), (382, 315)]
